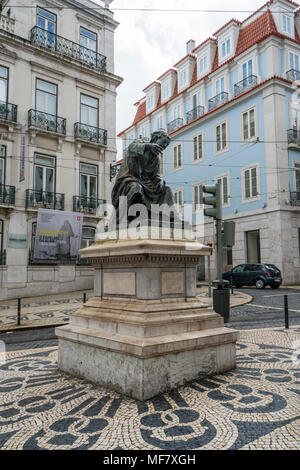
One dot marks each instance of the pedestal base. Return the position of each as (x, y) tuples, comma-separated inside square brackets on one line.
[(154, 337)]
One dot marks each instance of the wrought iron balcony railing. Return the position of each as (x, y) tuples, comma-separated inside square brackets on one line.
[(90, 133), (295, 198), (46, 122), (194, 113), (88, 205), (175, 124), (8, 111), (245, 84), (7, 194), (217, 100), (293, 75), (68, 48), (293, 137), (36, 198), (2, 258)]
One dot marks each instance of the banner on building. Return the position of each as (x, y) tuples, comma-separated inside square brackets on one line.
[(58, 235), (22, 155)]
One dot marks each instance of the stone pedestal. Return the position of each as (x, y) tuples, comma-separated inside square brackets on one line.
[(145, 331)]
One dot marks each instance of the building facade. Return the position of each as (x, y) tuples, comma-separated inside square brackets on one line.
[(231, 108), (57, 131)]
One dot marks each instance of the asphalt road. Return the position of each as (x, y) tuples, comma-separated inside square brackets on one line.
[(266, 309)]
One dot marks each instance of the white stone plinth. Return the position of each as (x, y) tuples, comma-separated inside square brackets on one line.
[(144, 334)]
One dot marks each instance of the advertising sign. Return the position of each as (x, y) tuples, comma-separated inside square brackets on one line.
[(58, 235)]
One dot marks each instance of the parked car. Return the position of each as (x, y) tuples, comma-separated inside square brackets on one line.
[(254, 274)]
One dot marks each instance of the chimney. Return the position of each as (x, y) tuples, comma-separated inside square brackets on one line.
[(190, 45)]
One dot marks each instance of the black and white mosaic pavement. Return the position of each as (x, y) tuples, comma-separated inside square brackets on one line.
[(256, 406)]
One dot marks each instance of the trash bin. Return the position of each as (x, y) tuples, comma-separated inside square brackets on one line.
[(221, 299)]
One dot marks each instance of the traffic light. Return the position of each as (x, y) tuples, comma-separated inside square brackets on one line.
[(228, 234), (215, 201)]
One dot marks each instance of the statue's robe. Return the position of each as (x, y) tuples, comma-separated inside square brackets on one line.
[(139, 179)]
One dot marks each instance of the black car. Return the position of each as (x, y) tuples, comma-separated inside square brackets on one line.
[(253, 274)]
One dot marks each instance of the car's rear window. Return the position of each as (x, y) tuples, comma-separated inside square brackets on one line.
[(271, 266)]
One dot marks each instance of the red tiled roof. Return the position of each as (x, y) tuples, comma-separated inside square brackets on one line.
[(165, 73), (254, 32), (181, 60), (233, 20), (153, 83), (140, 114)]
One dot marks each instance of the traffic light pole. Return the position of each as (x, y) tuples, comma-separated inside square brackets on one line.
[(219, 254)]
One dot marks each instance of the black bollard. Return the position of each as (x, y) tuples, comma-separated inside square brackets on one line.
[(84, 297), (19, 312), (286, 312)]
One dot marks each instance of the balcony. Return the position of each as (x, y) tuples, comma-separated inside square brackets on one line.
[(173, 125), (67, 48), (90, 133), (87, 205), (36, 198), (46, 122), (8, 111), (217, 100), (7, 24), (293, 137), (295, 198), (245, 84), (194, 113), (293, 75), (7, 194), (2, 258)]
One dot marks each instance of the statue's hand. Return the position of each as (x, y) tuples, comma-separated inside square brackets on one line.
[(154, 148)]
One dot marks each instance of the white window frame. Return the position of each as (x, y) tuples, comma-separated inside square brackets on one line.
[(249, 138), (196, 136), (294, 67), (225, 43), (176, 111), (226, 147), (165, 91), (183, 78), (176, 192), (243, 171), (202, 70), (175, 156), (199, 208), (295, 162), (287, 21), (222, 177), (219, 80), (246, 62), (159, 122), (150, 102)]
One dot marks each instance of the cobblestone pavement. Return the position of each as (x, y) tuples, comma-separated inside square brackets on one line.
[(255, 406), (56, 309)]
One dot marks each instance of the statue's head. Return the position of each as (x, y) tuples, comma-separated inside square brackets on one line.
[(161, 138)]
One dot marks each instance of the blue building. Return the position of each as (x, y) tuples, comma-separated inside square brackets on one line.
[(232, 110)]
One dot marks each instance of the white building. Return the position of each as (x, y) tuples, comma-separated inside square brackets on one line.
[(57, 131)]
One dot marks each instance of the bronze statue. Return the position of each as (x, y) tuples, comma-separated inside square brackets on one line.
[(139, 176)]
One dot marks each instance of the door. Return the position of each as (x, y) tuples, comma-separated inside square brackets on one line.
[(88, 49), (44, 179), (46, 23)]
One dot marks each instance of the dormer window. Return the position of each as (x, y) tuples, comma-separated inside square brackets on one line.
[(225, 48), (165, 91), (183, 78), (202, 65), (286, 24), (150, 102)]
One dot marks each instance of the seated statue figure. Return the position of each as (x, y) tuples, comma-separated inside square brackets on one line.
[(139, 176)]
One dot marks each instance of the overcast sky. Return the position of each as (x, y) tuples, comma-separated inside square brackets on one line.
[(147, 44)]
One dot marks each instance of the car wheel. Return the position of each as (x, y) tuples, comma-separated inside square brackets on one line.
[(275, 287), (259, 284)]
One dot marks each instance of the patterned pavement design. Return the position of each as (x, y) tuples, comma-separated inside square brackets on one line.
[(255, 406)]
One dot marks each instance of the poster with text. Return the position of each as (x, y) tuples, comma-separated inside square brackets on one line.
[(58, 235)]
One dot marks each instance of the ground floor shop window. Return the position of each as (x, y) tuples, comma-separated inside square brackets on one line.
[(253, 246)]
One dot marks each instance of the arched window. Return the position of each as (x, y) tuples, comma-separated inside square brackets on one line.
[(88, 236)]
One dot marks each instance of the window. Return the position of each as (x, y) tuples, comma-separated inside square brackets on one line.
[(88, 180), (89, 110), (159, 123), (220, 85), (225, 48), (195, 100), (3, 84), (202, 64), (179, 201), (253, 246), (33, 235), (150, 102), (47, 22), (2, 164), (221, 138), (88, 43), (165, 91), (286, 24), (197, 150), (247, 69), (87, 237), (44, 174), (294, 61), (46, 97), (248, 119), (224, 184), (250, 180), (182, 78), (297, 177), (176, 111), (229, 256), (177, 156), (197, 192), (144, 132)]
